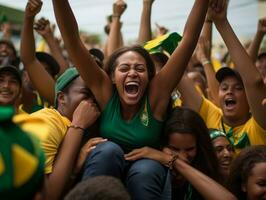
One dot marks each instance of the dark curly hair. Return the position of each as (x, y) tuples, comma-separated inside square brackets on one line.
[(242, 166)]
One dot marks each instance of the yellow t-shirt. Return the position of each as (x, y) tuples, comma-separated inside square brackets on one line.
[(31, 124), (57, 128), (244, 135)]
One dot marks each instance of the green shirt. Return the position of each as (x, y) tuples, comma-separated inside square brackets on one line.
[(142, 130)]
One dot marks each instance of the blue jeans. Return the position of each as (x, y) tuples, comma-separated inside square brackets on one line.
[(145, 178)]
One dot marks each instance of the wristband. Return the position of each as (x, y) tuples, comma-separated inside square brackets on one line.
[(115, 16), (208, 21), (206, 62), (76, 127)]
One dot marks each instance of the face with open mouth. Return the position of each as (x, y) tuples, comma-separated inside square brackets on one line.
[(9, 88), (224, 152), (131, 77), (233, 101)]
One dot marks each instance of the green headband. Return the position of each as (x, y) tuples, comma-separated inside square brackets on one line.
[(216, 133), (66, 78), (21, 159)]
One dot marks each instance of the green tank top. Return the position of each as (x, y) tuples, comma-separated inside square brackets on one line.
[(142, 130)]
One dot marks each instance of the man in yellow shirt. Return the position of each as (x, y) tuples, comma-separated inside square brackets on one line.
[(74, 112), (242, 116)]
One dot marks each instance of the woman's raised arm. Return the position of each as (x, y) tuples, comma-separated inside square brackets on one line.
[(95, 78)]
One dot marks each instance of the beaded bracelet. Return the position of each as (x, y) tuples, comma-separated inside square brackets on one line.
[(172, 161)]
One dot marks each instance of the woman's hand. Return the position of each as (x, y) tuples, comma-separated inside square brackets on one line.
[(148, 152), (85, 151)]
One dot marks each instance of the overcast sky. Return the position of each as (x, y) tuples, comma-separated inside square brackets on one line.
[(91, 15)]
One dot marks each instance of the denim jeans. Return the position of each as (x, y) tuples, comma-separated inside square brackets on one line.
[(145, 178)]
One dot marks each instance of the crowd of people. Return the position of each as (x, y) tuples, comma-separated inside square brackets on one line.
[(160, 119)]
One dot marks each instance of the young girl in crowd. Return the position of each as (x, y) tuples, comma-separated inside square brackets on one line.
[(132, 101), (247, 179), (190, 155)]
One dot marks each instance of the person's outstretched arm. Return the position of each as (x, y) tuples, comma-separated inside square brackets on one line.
[(43, 82), (115, 35), (203, 55), (42, 26), (254, 47), (253, 83), (166, 80), (145, 33), (207, 187), (95, 78), (207, 33)]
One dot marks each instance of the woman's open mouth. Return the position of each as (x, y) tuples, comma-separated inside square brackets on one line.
[(132, 88)]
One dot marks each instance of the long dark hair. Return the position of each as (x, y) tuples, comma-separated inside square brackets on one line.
[(242, 166), (111, 63), (186, 121)]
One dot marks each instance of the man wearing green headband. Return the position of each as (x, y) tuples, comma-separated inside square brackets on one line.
[(74, 112), (224, 151)]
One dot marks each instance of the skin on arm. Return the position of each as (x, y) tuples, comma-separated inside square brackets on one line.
[(204, 58), (207, 33), (38, 75), (160, 90), (115, 35), (85, 115), (254, 47), (145, 33), (95, 78), (207, 187), (190, 97), (253, 83), (42, 26)]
